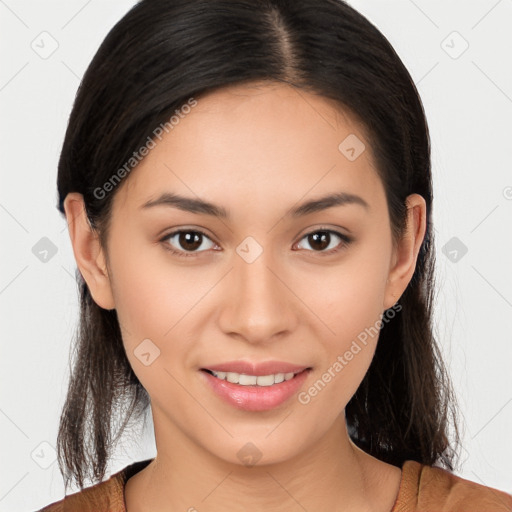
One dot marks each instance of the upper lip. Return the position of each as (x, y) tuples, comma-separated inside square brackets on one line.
[(256, 369)]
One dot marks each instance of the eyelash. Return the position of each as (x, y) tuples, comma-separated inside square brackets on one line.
[(346, 240)]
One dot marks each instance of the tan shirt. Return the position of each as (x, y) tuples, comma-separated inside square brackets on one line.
[(422, 489)]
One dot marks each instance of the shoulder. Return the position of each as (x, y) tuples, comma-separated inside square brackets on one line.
[(107, 496), (102, 497), (428, 488)]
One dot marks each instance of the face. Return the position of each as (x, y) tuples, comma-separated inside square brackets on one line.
[(268, 281)]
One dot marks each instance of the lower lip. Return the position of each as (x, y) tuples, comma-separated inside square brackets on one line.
[(256, 398)]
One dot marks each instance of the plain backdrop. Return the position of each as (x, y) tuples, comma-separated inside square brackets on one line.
[(459, 54)]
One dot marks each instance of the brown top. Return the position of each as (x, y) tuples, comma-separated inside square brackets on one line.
[(422, 489)]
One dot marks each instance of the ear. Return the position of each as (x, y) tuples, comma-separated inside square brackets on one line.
[(88, 252), (406, 253)]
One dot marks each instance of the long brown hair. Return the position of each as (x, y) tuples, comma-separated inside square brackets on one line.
[(161, 53)]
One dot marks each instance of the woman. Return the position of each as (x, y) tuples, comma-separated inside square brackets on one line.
[(248, 191)]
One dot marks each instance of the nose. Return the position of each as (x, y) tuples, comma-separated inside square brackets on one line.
[(258, 304)]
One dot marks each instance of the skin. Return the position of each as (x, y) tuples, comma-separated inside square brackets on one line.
[(263, 150)]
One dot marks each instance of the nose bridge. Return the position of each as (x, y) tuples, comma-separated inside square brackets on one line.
[(257, 305)]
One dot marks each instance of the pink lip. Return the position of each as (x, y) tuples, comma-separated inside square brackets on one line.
[(255, 398), (257, 369)]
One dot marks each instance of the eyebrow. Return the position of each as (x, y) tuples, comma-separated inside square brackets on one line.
[(189, 204)]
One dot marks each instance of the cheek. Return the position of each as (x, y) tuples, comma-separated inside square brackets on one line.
[(350, 306), (350, 303), (157, 301), (152, 300), (350, 297), (151, 294)]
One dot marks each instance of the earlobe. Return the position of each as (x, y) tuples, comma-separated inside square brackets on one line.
[(406, 252), (89, 254)]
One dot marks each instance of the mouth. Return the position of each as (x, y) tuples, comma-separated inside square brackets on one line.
[(254, 380), (255, 392)]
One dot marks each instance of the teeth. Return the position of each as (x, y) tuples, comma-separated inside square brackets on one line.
[(253, 380)]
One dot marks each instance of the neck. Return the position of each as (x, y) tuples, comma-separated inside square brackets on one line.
[(331, 474)]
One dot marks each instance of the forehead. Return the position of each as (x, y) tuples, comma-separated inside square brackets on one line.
[(249, 141)]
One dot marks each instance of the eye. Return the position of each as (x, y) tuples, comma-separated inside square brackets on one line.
[(323, 239), (186, 241)]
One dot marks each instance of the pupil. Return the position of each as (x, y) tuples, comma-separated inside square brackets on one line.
[(190, 240), (322, 238)]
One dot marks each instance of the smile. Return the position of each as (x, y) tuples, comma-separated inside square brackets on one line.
[(254, 392), (253, 380)]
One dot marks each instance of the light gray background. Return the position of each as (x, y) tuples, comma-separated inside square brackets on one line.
[(468, 101)]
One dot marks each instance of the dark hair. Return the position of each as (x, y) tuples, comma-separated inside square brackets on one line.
[(158, 56)]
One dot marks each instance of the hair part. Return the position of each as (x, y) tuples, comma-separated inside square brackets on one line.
[(157, 56)]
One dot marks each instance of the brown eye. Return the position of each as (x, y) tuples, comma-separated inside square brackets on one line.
[(184, 241), (190, 241), (324, 239), (319, 240)]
